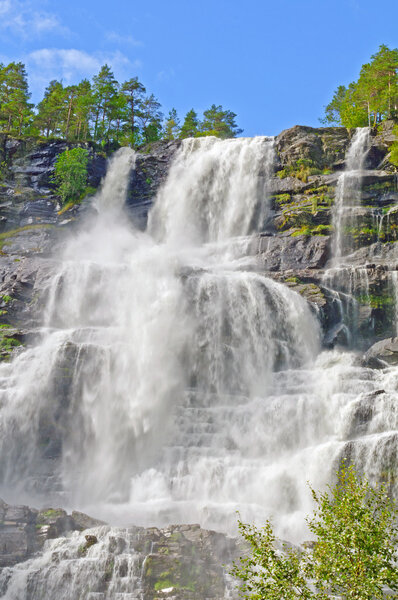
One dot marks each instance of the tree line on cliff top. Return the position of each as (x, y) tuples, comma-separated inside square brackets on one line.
[(102, 110), (370, 99)]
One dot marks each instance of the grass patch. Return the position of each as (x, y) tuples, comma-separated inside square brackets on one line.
[(307, 230)]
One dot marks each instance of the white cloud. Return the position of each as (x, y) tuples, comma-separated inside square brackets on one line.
[(63, 61), (71, 65), (117, 38), (21, 18)]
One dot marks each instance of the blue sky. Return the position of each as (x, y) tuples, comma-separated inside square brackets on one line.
[(275, 63)]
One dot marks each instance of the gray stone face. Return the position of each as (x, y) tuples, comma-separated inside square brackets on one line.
[(148, 175), (180, 561), (280, 253), (383, 353)]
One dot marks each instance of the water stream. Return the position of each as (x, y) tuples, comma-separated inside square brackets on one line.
[(174, 382)]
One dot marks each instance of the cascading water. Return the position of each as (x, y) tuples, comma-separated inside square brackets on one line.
[(348, 193), (342, 277), (176, 383)]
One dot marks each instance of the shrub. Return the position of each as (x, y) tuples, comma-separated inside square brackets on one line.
[(394, 149), (71, 174), (354, 555)]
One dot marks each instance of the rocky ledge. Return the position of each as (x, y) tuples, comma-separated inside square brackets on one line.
[(183, 562)]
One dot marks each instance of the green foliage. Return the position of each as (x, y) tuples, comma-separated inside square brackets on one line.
[(308, 230), (15, 109), (282, 198), (71, 174), (171, 130), (394, 149), (301, 169), (110, 113), (355, 526), (267, 573), (370, 99), (133, 92), (333, 109), (219, 122), (190, 127)]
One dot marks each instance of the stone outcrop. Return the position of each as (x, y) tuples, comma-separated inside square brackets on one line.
[(24, 530), (382, 354), (183, 562), (150, 172)]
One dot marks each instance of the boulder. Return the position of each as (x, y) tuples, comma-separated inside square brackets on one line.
[(382, 354), (279, 253)]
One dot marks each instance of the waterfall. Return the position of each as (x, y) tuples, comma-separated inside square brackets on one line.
[(214, 191), (348, 193), (342, 278), (174, 382)]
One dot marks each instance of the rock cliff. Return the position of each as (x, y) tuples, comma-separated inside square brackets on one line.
[(294, 247)]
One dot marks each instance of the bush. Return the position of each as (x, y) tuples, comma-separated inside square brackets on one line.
[(394, 149), (71, 174), (354, 555)]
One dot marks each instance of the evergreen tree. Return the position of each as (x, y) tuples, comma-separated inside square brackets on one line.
[(373, 97), (385, 66), (83, 109), (190, 127), (219, 122), (333, 109), (171, 128), (106, 101), (133, 91), (150, 120), (15, 109), (50, 110)]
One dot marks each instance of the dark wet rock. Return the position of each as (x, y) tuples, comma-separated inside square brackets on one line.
[(279, 253), (148, 175), (184, 562), (40, 211), (362, 414)]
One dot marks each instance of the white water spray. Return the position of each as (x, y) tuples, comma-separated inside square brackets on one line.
[(348, 192), (174, 383)]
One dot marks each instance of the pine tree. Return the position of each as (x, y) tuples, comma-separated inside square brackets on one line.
[(190, 127), (333, 109), (150, 120), (49, 118), (171, 129), (370, 99), (83, 110), (105, 93), (133, 91), (220, 122), (15, 109)]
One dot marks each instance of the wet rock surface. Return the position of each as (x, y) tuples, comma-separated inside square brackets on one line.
[(180, 561), (150, 172), (24, 530)]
